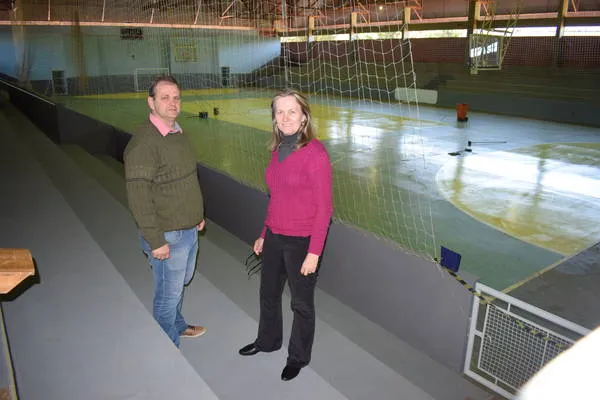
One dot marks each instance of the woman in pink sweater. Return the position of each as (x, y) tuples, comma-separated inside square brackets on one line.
[(292, 239)]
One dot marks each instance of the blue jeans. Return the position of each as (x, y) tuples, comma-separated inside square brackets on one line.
[(170, 277)]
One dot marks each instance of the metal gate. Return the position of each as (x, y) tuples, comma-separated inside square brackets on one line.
[(510, 340)]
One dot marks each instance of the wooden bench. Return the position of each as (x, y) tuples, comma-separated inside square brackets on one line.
[(15, 266)]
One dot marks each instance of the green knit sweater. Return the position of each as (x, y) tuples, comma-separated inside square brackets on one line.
[(162, 183)]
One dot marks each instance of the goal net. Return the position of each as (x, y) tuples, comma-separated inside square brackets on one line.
[(143, 77), (353, 60)]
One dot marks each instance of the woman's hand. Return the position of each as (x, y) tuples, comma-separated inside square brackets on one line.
[(309, 266), (258, 246)]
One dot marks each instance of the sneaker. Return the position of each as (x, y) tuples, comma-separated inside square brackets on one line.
[(193, 331)]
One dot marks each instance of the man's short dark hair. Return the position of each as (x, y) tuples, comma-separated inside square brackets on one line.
[(159, 79)]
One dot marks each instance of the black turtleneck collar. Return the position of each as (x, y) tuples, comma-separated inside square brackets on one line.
[(287, 145)]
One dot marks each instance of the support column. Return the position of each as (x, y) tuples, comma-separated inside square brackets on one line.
[(406, 21), (310, 28), (563, 8), (473, 17)]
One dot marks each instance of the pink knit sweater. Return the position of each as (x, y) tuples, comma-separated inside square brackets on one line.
[(301, 199)]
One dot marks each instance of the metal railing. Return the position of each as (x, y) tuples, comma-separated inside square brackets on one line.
[(510, 340)]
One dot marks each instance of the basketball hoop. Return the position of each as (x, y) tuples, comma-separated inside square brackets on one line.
[(485, 52)]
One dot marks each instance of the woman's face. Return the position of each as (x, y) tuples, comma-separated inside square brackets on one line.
[(288, 115)]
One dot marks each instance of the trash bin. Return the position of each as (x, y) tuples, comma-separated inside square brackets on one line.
[(462, 111)]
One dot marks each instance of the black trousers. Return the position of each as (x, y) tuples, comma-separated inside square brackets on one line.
[(282, 259)]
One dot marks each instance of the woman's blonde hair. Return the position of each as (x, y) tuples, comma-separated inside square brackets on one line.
[(307, 132)]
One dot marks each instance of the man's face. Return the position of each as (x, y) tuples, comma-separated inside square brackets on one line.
[(166, 103)]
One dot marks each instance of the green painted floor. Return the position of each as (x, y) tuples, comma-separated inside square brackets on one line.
[(527, 194)]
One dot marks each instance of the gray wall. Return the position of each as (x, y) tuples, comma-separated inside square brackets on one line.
[(407, 295), (41, 50), (549, 109), (104, 53), (233, 52), (206, 52), (8, 60)]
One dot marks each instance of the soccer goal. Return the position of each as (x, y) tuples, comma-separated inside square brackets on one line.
[(143, 77)]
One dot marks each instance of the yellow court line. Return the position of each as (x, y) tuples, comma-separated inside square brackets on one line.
[(531, 277), (144, 94), (217, 91), (498, 228), (114, 96), (544, 270), (553, 241), (255, 112), (446, 195)]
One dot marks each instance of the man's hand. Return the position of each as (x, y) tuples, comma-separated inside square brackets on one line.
[(162, 253), (201, 225), (309, 266)]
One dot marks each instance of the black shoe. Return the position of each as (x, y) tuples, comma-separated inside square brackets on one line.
[(289, 373), (249, 350)]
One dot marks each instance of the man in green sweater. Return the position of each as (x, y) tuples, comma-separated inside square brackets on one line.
[(166, 201)]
